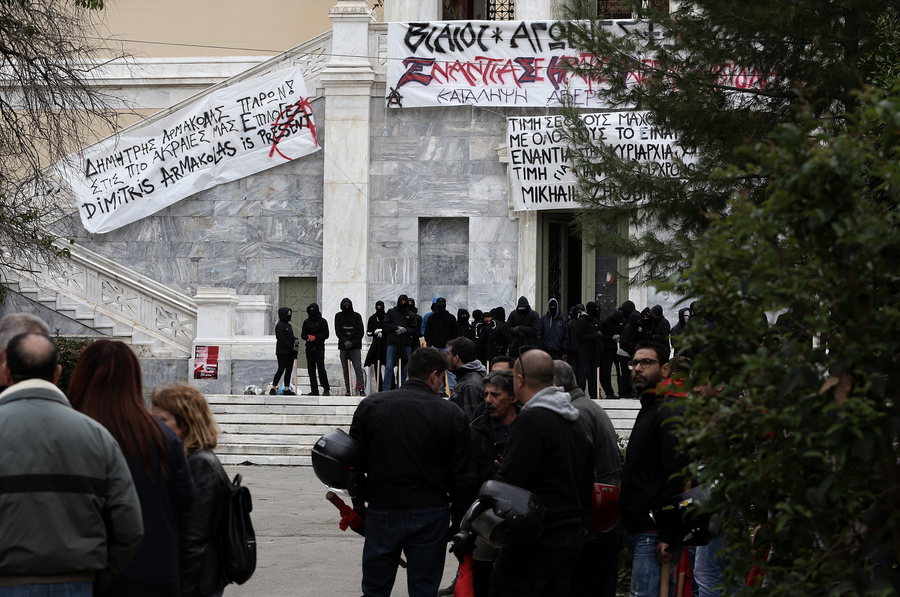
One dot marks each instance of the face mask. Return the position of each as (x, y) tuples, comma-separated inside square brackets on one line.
[(345, 307)]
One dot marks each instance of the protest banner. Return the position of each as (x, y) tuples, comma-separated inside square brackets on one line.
[(227, 135), (540, 171)]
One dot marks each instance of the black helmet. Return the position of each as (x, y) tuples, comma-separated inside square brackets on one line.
[(678, 517), (505, 515), (336, 459)]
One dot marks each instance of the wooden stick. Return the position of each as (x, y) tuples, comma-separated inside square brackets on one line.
[(679, 586), (664, 579)]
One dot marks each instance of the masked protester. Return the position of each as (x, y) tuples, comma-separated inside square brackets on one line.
[(348, 328), (377, 349), (285, 348), (401, 330), (315, 332), (553, 333), (523, 324)]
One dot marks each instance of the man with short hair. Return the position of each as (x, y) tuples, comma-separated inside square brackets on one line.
[(73, 519), (14, 324), (419, 477), (653, 471), (549, 454), (501, 362), (596, 573), (468, 393)]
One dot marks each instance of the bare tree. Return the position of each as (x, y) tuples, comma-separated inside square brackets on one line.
[(51, 56)]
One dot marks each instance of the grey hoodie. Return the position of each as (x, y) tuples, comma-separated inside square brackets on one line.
[(555, 399)]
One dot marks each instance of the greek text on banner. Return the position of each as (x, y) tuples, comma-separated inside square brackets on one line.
[(227, 135), (540, 172)]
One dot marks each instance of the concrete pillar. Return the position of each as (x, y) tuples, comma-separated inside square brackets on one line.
[(526, 279), (216, 315), (348, 80), (403, 11), (538, 10)]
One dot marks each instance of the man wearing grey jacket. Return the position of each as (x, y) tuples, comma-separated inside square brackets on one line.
[(71, 513)]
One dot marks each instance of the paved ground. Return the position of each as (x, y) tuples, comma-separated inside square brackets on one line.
[(301, 550)]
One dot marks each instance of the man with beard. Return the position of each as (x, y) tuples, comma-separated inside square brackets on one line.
[(401, 330), (549, 454), (468, 393), (315, 331), (653, 471), (377, 350), (284, 348), (523, 324), (348, 327)]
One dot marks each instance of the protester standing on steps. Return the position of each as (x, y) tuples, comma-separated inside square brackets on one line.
[(185, 411), (401, 328), (377, 349), (348, 327), (284, 348), (315, 332)]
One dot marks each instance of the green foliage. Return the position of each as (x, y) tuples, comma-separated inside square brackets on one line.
[(782, 54), (803, 438), (70, 349)]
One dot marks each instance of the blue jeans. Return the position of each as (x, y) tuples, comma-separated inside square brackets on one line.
[(646, 571), (390, 360), (60, 589), (421, 534), (708, 568)]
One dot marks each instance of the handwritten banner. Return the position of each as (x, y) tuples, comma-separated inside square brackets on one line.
[(540, 171), (488, 63), (227, 135)]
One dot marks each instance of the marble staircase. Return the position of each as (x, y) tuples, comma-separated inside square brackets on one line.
[(281, 430)]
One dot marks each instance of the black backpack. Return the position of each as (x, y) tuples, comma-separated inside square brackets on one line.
[(238, 548)]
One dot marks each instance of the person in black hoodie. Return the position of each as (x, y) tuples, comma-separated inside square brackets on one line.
[(490, 341), (440, 327), (523, 324), (315, 332), (660, 327), (401, 328), (285, 349), (610, 332), (348, 328), (377, 349), (588, 331), (463, 327)]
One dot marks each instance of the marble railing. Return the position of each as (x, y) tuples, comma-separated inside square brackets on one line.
[(120, 294)]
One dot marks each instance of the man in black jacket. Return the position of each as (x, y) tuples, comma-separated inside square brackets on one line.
[(549, 454), (419, 477), (588, 331), (315, 331), (348, 327), (401, 330), (653, 470), (523, 324), (468, 392), (284, 348)]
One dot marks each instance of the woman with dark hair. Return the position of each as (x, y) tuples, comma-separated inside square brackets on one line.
[(185, 411), (106, 386)]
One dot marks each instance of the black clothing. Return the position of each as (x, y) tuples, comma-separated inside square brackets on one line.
[(286, 367), (401, 316), (468, 393), (463, 327), (419, 452), (523, 326), (588, 332), (660, 327), (489, 340), (200, 527), (378, 348), (348, 327), (487, 446), (164, 497), (440, 327), (315, 332), (651, 459), (284, 332), (553, 332)]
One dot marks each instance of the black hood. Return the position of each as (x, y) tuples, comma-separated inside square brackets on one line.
[(499, 313), (379, 313), (684, 315), (523, 306), (627, 308), (344, 301), (462, 316), (402, 302), (284, 314), (313, 311), (593, 310), (477, 315), (439, 304), (656, 312)]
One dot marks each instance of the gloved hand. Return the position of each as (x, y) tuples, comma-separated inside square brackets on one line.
[(310, 338), (348, 345), (616, 337), (401, 330), (515, 330), (378, 333)]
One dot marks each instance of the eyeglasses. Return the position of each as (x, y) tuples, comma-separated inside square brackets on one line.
[(643, 363), (522, 351)]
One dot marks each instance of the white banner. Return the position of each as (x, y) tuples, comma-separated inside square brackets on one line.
[(540, 171), (229, 134), (488, 63)]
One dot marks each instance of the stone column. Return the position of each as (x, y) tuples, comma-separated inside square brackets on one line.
[(348, 80), (526, 280), (538, 10), (215, 327), (402, 11)]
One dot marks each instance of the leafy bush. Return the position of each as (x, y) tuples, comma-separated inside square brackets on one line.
[(70, 348)]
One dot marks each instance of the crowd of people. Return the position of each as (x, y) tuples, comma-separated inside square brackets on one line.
[(100, 496), (597, 344)]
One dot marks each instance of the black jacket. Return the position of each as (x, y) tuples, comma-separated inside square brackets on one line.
[(348, 327), (553, 332), (588, 329), (468, 393), (523, 325), (652, 457), (284, 332), (200, 527), (419, 451), (399, 317), (377, 348), (440, 327), (316, 326), (611, 331)]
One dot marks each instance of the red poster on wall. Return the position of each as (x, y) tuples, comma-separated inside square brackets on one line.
[(206, 362)]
